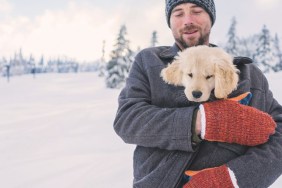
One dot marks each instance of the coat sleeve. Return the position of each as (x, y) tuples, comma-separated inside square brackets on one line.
[(139, 122), (262, 165)]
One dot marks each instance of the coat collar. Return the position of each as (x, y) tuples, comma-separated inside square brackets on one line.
[(171, 52), (242, 60)]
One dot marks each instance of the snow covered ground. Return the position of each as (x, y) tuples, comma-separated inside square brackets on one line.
[(56, 131)]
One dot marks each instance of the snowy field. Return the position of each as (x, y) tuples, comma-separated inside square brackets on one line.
[(56, 132)]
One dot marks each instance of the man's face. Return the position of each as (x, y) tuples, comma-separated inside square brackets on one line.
[(190, 25)]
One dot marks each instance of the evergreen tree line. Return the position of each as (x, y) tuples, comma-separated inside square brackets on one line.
[(262, 47), (19, 65)]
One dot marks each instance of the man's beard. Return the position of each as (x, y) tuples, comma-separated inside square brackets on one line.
[(201, 41)]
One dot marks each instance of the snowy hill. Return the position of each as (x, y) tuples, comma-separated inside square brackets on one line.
[(56, 131)]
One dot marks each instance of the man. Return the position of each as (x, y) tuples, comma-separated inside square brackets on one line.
[(167, 128)]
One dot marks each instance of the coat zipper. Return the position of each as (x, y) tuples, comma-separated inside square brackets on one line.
[(186, 166)]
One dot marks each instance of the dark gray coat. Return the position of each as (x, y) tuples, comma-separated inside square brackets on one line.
[(157, 118)]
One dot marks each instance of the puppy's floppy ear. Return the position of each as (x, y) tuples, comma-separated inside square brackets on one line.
[(226, 77), (172, 74)]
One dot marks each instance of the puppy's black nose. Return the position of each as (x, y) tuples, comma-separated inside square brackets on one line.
[(197, 94)]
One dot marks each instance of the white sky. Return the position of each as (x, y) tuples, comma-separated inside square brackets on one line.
[(77, 28)]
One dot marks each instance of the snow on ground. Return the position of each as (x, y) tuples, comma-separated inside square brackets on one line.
[(56, 131)]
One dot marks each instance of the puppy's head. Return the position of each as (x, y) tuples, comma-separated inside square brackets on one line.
[(200, 70)]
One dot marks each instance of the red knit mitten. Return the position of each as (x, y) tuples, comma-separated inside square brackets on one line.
[(231, 122), (217, 177)]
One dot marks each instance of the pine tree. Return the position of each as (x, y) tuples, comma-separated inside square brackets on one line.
[(233, 41), (264, 55), (101, 66), (154, 39), (248, 45), (278, 54), (121, 59), (41, 67), (18, 65), (3, 66)]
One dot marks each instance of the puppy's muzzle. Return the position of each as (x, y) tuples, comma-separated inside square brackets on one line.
[(197, 94)]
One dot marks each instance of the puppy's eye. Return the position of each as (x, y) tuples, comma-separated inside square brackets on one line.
[(208, 77), (190, 75)]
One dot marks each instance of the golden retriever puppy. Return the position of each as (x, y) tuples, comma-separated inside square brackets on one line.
[(201, 70)]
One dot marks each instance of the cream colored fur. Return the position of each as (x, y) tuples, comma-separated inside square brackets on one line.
[(201, 69)]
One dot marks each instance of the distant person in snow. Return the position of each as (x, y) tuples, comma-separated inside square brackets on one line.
[(178, 143)]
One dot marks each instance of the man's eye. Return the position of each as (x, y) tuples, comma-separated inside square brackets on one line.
[(190, 75), (197, 11), (178, 14), (208, 77)]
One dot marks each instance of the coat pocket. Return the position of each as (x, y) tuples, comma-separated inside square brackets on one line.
[(148, 160)]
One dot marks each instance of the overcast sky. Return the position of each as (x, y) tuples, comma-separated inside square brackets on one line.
[(77, 28)]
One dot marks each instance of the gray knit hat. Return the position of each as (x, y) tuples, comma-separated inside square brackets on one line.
[(207, 5)]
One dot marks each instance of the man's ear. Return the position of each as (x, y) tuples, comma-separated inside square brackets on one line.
[(172, 74)]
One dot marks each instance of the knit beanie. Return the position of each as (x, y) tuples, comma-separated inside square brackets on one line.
[(207, 5)]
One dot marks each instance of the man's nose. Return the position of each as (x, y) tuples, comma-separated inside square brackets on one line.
[(188, 20)]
